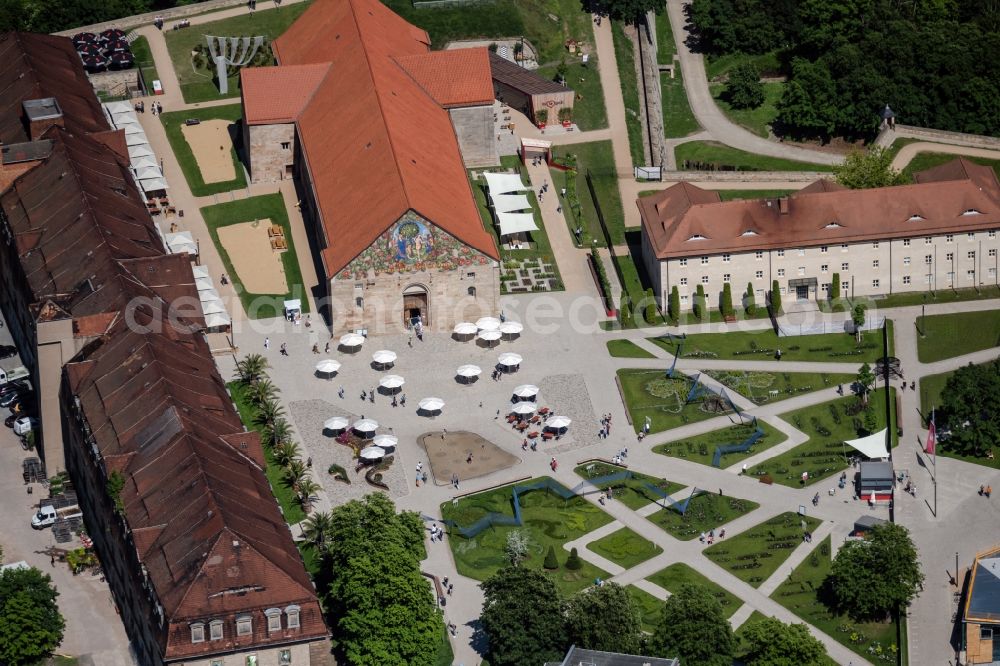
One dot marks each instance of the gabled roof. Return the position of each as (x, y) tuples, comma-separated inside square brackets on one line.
[(684, 220), (456, 77), (72, 217), (375, 142), (525, 80), (37, 66), (208, 530), (982, 603), (278, 94)]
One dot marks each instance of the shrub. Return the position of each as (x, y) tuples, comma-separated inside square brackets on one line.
[(699, 302), (775, 297), (573, 562), (727, 301), (674, 306), (835, 287), (625, 312), (650, 307), (550, 559), (744, 89), (751, 307)]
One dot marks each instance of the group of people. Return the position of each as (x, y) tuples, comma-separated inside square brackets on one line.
[(710, 537), (620, 458), (155, 107), (605, 430), (422, 476), (437, 534), (985, 491)]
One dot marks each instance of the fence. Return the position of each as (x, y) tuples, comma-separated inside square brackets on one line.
[(492, 518), (847, 326), (680, 507)]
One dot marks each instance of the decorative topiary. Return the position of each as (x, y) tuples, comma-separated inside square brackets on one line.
[(573, 562), (550, 559), (775, 298), (674, 307)]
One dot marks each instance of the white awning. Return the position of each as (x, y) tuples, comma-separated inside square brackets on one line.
[(124, 118), (153, 184), (182, 241), (139, 150), (132, 128), (508, 203), (504, 183), (200, 271), (136, 139), (148, 172), (143, 161), (535, 143), (872, 446), (217, 320), (213, 306), (515, 223), (203, 283), (118, 107)]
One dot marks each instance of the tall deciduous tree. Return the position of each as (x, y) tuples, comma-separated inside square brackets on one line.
[(744, 89), (604, 618), (970, 404), (629, 11), (864, 380), (774, 643), (522, 618), (30, 624), (877, 576), (775, 297), (694, 629), (863, 170)]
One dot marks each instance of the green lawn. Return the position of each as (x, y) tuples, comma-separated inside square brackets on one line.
[(445, 655), (754, 555), (633, 286), (173, 122), (761, 346), (678, 119), (585, 80), (800, 593), (677, 574), (272, 206), (719, 155), (627, 349), (632, 492), (828, 426), (719, 66), (625, 548), (144, 60), (931, 389), (940, 296), (950, 335), (275, 475), (701, 448), (729, 195), (704, 513), (630, 92), (928, 160), (650, 608), (756, 120), (549, 520), (760, 386), (599, 159), (665, 46), (651, 393), (197, 84)]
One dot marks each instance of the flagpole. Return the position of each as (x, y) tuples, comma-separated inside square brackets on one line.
[(934, 426)]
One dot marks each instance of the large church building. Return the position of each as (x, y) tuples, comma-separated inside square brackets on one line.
[(378, 130)]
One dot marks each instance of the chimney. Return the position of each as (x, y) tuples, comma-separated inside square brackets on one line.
[(783, 205), (41, 114)]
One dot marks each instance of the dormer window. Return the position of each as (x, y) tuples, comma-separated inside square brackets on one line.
[(215, 630), (972, 211), (832, 225), (697, 237), (749, 232), (273, 619), (292, 615), (915, 218), (244, 625), (197, 632)]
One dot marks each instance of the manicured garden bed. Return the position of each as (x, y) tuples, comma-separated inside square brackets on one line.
[(625, 548), (598, 158), (704, 513), (650, 393), (633, 492), (950, 335), (754, 555), (763, 387), (701, 448), (549, 520), (678, 574), (627, 349), (762, 345)]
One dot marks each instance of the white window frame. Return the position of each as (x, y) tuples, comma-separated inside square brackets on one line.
[(244, 621), (293, 616), (197, 632), (215, 630), (273, 616)]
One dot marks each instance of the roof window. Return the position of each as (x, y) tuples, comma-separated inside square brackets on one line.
[(749, 232), (833, 225), (915, 218), (972, 211), (197, 632), (697, 237)]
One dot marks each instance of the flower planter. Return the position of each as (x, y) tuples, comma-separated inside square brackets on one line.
[(541, 125), (567, 123)]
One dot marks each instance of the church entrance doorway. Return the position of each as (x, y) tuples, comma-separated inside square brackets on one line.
[(415, 306)]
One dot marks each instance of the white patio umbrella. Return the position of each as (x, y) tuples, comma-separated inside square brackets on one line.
[(392, 382), (510, 360), (384, 357), (327, 366), (352, 340), (526, 391), (366, 426), (385, 441), (465, 328), (372, 453), (469, 371), (490, 336), (511, 328), (488, 324), (524, 408), (336, 423), (431, 404), (558, 422)]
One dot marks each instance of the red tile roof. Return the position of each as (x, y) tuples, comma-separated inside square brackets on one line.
[(685, 220), (457, 77), (375, 142), (278, 94)]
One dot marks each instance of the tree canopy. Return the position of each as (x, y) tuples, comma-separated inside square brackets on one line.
[(970, 405), (774, 643), (604, 618), (381, 607), (744, 89), (694, 629), (522, 617), (847, 59), (31, 626), (863, 170), (875, 577), (622, 10)]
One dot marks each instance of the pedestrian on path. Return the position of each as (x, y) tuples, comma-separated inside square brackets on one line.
[(315, 348), (326, 349), (341, 392), (284, 349), (267, 343)]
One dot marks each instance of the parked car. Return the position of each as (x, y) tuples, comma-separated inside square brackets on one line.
[(8, 399), (9, 421), (6, 351)]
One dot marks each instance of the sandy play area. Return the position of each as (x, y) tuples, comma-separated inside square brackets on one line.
[(256, 264), (211, 144), (449, 455)]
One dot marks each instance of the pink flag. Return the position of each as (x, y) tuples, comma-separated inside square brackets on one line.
[(931, 437)]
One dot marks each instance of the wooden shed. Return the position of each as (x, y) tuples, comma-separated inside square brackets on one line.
[(530, 93)]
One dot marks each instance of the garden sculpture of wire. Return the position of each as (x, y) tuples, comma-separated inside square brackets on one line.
[(231, 52)]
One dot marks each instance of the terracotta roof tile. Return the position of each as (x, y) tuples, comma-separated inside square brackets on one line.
[(456, 77), (278, 94), (398, 151), (685, 220)]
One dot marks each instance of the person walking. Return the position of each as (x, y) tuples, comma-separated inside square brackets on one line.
[(267, 343), (284, 349), (326, 349)]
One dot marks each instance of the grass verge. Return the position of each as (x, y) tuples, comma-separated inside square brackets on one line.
[(678, 119), (627, 349), (625, 58), (940, 296), (950, 335), (754, 555), (599, 159), (722, 156), (761, 346), (173, 122), (144, 60)]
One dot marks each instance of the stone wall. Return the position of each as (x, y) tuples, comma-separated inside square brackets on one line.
[(474, 126), (266, 151), (126, 23), (116, 82), (887, 136)]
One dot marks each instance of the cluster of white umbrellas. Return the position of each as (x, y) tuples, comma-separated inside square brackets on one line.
[(487, 329), (384, 358), (352, 341)]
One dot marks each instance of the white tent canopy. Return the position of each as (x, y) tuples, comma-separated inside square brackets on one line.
[(217, 320), (504, 183), (872, 446), (148, 172), (212, 306), (152, 184), (488, 324), (516, 223), (132, 128), (140, 150), (143, 161), (336, 423), (136, 139), (200, 271), (468, 371), (465, 328), (118, 107), (524, 408), (182, 241), (508, 203), (511, 328)]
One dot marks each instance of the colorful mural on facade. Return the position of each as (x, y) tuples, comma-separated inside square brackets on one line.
[(412, 245)]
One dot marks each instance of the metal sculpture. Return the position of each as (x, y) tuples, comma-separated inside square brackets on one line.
[(231, 52)]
